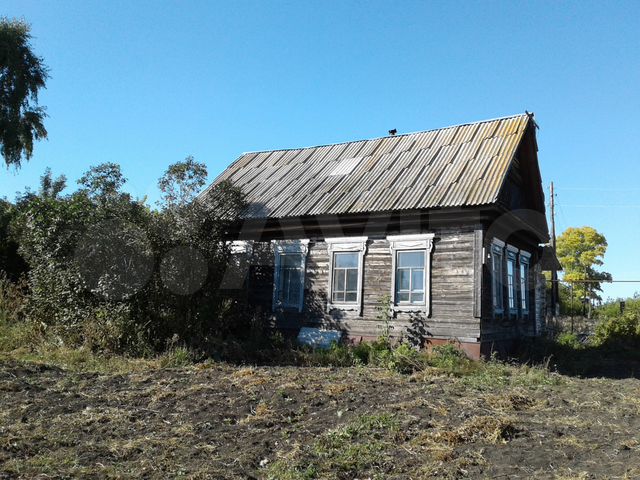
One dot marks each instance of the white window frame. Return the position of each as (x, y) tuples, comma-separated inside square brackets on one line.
[(397, 243), (346, 244), (512, 256), (525, 297), (497, 247), (283, 247)]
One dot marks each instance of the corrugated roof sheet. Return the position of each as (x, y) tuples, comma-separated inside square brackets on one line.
[(463, 165)]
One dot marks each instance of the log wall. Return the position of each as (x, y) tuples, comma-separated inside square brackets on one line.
[(454, 297)]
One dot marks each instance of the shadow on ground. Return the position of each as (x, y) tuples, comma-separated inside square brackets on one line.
[(613, 360)]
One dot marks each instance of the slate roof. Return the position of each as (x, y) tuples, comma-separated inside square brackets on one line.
[(463, 165)]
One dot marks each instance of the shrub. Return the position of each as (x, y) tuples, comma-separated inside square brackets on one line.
[(406, 359), (568, 340), (111, 328), (338, 355), (447, 357), (12, 299), (15, 331), (622, 330), (177, 357), (108, 274)]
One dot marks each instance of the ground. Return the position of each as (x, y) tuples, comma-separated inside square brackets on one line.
[(220, 421)]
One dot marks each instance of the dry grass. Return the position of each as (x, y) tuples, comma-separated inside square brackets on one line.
[(219, 421)]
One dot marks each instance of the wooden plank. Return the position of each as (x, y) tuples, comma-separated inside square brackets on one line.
[(453, 288), (477, 273)]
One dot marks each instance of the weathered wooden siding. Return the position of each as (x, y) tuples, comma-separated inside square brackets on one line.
[(540, 300), (496, 328), (453, 296), (461, 305)]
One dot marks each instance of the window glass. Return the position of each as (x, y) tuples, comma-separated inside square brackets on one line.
[(290, 260), (352, 279), (497, 278), (404, 279), (338, 280), (417, 278), (403, 296), (290, 279), (410, 277), (511, 282), (411, 259), (524, 286), (346, 260), (345, 277)]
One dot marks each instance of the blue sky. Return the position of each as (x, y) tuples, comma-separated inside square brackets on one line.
[(145, 84)]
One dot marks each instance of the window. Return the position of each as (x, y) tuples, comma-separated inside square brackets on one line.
[(345, 278), (496, 278), (290, 279), (524, 281), (410, 277), (512, 278), (346, 259), (411, 257), (288, 282)]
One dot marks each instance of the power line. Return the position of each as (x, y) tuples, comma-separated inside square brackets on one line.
[(598, 189), (578, 205), (597, 281)]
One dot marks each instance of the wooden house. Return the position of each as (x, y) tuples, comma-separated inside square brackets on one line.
[(440, 230)]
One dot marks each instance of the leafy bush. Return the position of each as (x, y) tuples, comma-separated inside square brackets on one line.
[(12, 299), (621, 330), (402, 357), (448, 357), (108, 274), (15, 330), (406, 359), (569, 340), (111, 328)]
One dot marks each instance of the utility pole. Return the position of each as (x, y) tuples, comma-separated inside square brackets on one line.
[(554, 274)]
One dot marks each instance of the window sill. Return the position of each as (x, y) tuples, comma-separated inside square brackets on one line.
[(350, 307), (409, 308)]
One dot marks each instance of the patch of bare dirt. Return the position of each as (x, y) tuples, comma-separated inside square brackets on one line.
[(289, 422)]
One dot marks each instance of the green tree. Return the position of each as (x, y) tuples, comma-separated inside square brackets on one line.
[(107, 272), (188, 235), (52, 187), (181, 182), (12, 264), (103, 182), (22, 75), (580, 250)]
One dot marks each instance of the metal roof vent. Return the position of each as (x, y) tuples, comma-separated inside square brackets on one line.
[(346, 166)]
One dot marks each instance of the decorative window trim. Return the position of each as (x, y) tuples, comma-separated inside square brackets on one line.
[(498, 243), (512, 256), (241, 247), (497, 247), (412, 242), (525, 259), (512, 249), (281, 247), (346, 244)]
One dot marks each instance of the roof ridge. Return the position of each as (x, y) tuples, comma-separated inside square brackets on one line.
[(386, 136)]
